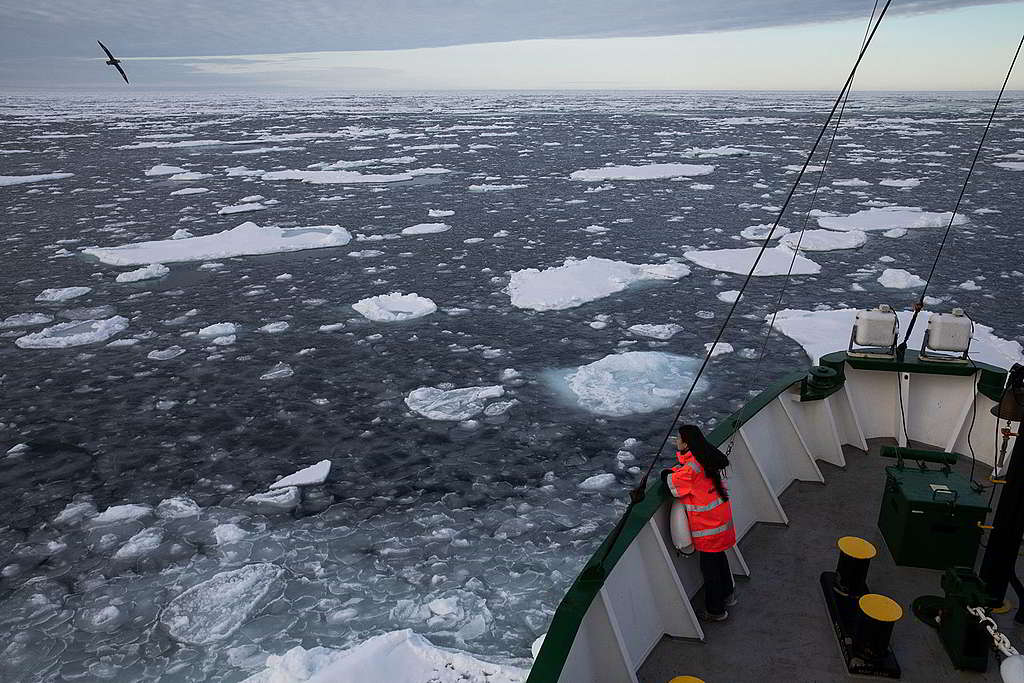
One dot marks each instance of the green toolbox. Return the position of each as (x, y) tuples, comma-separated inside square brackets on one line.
[(931, 518)]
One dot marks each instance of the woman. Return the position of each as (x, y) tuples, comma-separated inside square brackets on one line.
[(697, 481)]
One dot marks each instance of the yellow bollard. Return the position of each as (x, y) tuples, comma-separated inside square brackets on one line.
[(686, 679)]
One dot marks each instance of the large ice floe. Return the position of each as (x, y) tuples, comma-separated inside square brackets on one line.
[(394, 307), (645, 172), (629, 383), (337, 177), (22, 179), (75, 333), (822, 332), (62, 293), (217, 607), (426, 228), (451, 404), (396, 657), (243, 240), (825, 240), (888, 217), (577, 282), (775, 261)]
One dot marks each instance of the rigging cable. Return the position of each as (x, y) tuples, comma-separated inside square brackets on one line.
[(807, 214), (639, 492), (963, 190)]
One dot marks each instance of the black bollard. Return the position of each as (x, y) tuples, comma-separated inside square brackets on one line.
[(852, 569), (878, 615)]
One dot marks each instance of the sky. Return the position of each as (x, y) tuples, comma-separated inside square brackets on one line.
[(331, 45)]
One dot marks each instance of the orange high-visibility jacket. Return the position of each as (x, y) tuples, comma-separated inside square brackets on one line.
[(709, 516)]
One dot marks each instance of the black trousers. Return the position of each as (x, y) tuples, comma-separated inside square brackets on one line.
[(718, 584)]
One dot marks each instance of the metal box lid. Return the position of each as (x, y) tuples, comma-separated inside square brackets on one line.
[(936, 486)]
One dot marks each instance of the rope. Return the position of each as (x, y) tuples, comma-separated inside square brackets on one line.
[(807, 215), (638, 493), (963, 190)]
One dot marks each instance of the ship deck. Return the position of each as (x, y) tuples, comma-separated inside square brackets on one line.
[(780, 630)]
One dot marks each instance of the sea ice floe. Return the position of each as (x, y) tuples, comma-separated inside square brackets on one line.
[(279, 371), (632, 382), (452, 404), (426, 228), (399, 656), (494, 188), (243, 240), (25, 320), (62, 293), (597, 482), (307, 476), (216, 608), (663, 332), (822, 332), (336, 177), (439, 213), (887, 217), (902, 183), (394, 307), (760, 232), (165, 354), (897, 278), (241, 208), (645, 172), (177, 508), (189, 176), (720, 348), (21, 179), (712, 152), (851, 182), (142, 543), (164, 169), (775, 261), (825, 240), (77, 333), (150, 272), (1007, 165), (577, 282), (217, 330), (276, 500), (274, 328), (190, 190), (115, 514)]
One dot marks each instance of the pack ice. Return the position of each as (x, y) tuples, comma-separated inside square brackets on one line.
[(336, 177), (243, 240), (775, 261), (217, 607), (825, 240), (452, 404), (645, 172), (888, 217), (818, 331), (577, 282), (394, 307), (21, 179), (632, 382), (396, 657)]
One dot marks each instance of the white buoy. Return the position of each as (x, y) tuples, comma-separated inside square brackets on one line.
[(680, 526), (1012, 669)]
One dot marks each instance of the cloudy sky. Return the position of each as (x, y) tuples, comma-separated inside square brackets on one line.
[(428, 44)]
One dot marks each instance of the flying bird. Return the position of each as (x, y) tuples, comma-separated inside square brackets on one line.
[(114, 62)]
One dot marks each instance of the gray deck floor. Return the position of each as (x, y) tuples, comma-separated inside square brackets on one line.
[(780, 630)]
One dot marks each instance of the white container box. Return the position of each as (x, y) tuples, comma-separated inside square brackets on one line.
[(876, 327), (949, 331)]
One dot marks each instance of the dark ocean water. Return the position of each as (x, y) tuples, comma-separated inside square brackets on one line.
[(486, 515)]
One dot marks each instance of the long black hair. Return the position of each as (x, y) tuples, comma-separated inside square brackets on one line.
[(711, 460)]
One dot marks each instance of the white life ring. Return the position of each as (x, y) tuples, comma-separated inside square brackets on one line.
[(680, 527), (1012, 669)]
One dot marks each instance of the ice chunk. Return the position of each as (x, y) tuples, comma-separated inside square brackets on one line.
[(217, 330), (426, 228), (217, 607), (713, 152), (888, 217), (453, 404), (397, 657), (25, 320), (597, 482), (62, 293), (64, 335), (241, 208), (274, 328), (190, 190), (822, 332), (279, 371), (20, 179), (577, 282), (729, 296), (74, 513), (277, 499), (1008, 165), (905, 183), (228, 533), (177, 507), (775, 261), (494, 188), (666, 331), (720, 348), (439, 213), (189, 176), (150, 272), (307, 476), (850, 182), (825, 240), (897, 278), (163, 169), (760, 232), (166, 354), (142, 543), (645, 172), (243, 240), (895, 232), (394, 307), (121, 513), (334, 177), (633, 382)]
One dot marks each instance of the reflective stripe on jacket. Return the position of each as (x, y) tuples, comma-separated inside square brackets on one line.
[(709, 516)]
